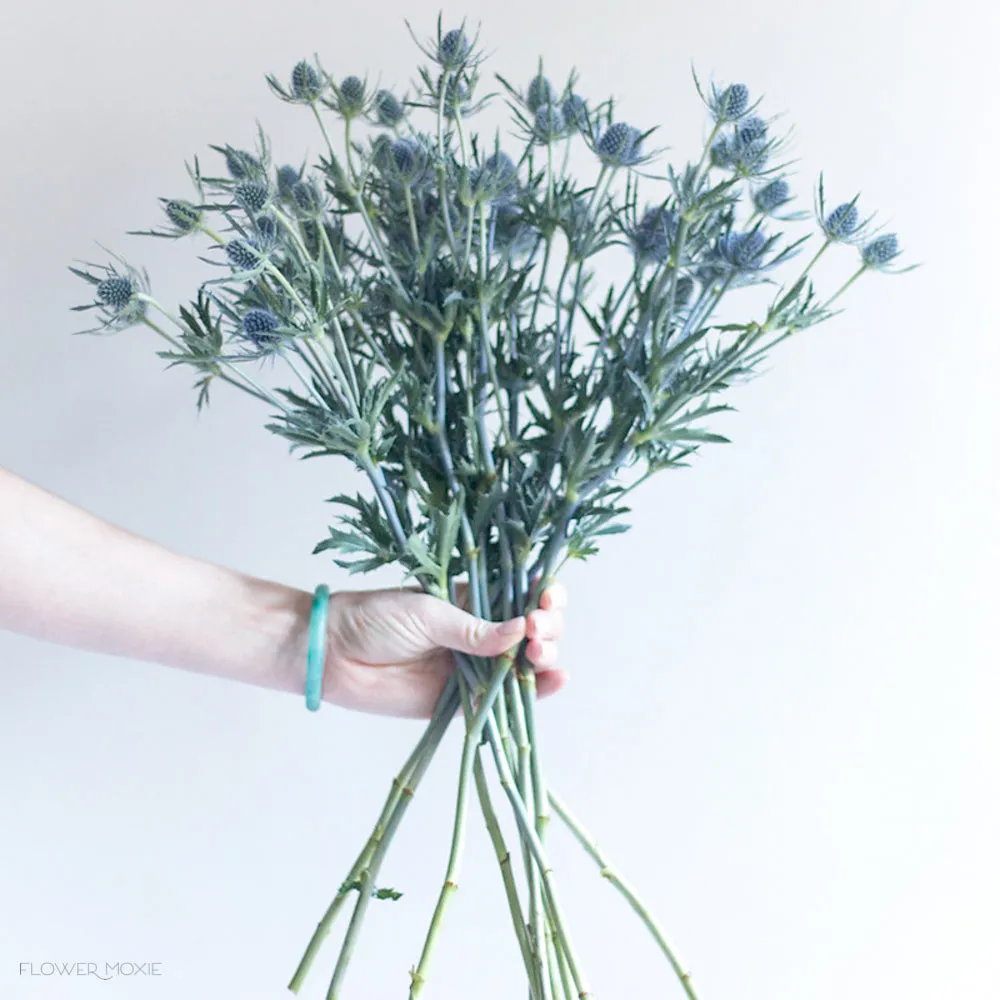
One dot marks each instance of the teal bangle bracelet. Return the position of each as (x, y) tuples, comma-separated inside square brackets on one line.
[(317, 648)]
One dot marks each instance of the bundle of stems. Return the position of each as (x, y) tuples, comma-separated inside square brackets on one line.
[(407, 285)]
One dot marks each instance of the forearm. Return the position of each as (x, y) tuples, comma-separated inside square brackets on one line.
[(68, 577)]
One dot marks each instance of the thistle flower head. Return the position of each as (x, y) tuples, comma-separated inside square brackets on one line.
[(772, 196), (352, 97), (540, 91), (185, 217), (306, 82), (842, 222), (619, 145), (308, 199), (750, 129), (743, 252), (722, 154), (409, 160), (242, 165), (511, 233), (495, 178), (244, 254), (118, 295), (267, 231), (253, 196), (288, 177), (389, 110), (746, 151), (257, 326), (549, 123), (574, 112), (728, 104), (879, 252), (454, 48), (653, 237)]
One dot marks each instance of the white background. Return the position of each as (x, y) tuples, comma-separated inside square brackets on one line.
[(782, 717)]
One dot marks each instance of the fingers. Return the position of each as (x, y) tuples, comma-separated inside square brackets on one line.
[(542, 628), (542, 653), (554, 596), (545, 625), (450, 626), (550, 681)]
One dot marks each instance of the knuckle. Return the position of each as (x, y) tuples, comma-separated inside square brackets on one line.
[(476, 632)]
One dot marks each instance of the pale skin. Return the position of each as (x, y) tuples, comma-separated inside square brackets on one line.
[(68, 577)]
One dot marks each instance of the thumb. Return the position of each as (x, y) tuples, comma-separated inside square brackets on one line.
[(450, 626)]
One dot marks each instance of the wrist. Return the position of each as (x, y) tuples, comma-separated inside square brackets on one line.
[(275, 636), (282, 618)]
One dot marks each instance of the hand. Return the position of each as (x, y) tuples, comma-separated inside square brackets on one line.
[(390, 651)]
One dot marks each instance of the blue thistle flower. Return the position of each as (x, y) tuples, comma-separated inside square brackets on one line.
[(253, 196), (653, 237), (772, 196), (495, 178), (288, 177), (267, 230), (619, 145), (510, 232), (257, 326), (241, 164), (748, 148), (119, 296), (574, 112), (842, 221), (306, 82), (308, 200), (243, 254), (116, 293), (684, 291), (185, 216), (540, 91), (743, 252), (456, 97), (453, 49), (730, 103), (549, 123), (750, 130), (408, 159), (722, 153), (388, 109), (880, 251), (352, 96)]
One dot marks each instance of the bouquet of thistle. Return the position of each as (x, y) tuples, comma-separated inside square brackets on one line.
[(433, 297)]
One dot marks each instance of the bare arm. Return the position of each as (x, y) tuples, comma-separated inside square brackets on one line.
[(68, 577)]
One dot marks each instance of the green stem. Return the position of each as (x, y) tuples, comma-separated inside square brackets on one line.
[(401, 791), (442, 170), (608, 872), (847, 284), (541, 281), (548, 177), (352, 173), (359, 203), (510, 887), (524, 822), (251, 388), (483, 716), (414, 235)]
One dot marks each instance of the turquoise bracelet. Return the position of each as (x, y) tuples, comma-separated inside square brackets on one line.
[(317, 648)]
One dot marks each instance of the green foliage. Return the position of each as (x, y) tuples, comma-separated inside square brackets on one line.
[(437, 297)]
